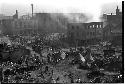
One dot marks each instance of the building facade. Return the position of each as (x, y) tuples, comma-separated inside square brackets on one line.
[(80, 33), (15, 25), (112, 25), (38, 23), (24, 26), (6, 24)]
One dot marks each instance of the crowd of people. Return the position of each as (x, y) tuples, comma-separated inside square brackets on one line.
[(24, 59)]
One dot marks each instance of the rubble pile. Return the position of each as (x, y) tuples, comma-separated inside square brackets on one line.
[(32, 61)]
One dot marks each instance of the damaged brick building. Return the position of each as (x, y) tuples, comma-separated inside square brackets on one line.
[(113, 26), (82, 33)]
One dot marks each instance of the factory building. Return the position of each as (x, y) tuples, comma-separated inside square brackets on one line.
[(80, 33)]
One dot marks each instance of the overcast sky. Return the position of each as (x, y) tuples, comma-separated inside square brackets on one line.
[(93, 7)]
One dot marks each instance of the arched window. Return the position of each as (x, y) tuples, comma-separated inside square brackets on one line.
[(100, 26), (97, 26), (90, 26)]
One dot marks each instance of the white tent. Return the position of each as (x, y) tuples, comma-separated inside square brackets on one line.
[(82, 58)]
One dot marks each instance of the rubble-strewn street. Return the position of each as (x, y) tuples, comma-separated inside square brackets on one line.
[(35, 62)]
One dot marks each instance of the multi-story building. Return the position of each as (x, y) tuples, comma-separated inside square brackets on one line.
[(110, 28), (24, 26), (79, 33), (94, 30), (6, 26), (6, 23), (112, 25), (75, 32), (39, 23)]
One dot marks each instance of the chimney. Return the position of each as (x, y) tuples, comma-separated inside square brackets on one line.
[(32, 10), (15, 16), (117, 11), (16, 12), (117, 7)]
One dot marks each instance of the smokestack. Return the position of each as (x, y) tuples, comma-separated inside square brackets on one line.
[(32, 10), (17, 14)]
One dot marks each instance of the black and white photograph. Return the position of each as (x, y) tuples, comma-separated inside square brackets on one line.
[(61, 41)]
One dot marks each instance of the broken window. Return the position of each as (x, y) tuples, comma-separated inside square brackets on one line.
[(97, 26), (100, 26), (90, 26)]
